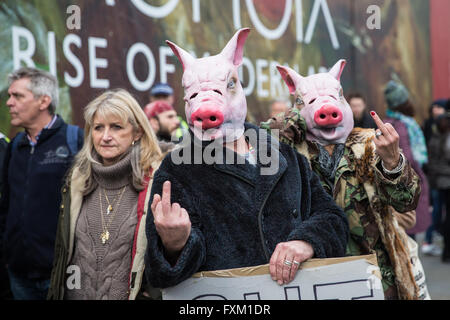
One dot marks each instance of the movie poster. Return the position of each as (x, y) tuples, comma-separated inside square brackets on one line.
[(95, 45)]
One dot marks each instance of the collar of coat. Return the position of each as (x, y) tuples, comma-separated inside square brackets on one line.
[(358, 156)]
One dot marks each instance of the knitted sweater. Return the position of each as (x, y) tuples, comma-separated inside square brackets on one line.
[(105, 267)]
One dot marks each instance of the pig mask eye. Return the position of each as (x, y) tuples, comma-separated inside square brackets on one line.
[(299, 101), (231, 84)]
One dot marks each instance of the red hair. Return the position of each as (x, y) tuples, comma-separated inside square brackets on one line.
[(157, 107)]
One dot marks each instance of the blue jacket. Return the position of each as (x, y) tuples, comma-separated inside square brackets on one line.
[(31, 196), (239, 216)]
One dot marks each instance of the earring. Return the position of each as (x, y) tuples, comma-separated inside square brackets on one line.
[(133, 143)]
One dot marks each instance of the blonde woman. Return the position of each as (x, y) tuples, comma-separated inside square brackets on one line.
[(100, 242)]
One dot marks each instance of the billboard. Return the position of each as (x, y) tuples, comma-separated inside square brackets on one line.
[(95, 45)]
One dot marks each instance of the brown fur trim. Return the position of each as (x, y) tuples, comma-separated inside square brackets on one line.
[(361, 142), (399, 254)]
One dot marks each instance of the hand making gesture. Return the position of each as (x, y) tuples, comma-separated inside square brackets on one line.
[(171, 221), (387, 143)]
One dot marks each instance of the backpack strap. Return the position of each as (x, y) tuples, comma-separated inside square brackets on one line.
[(72, 138), (16, 140)]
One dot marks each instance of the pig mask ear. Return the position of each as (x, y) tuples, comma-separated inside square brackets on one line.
[(185, 58), (291, 78), (234, 50), (337, 69)]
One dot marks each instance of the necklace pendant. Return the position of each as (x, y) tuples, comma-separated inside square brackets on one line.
[(109, 209), (104, 236)]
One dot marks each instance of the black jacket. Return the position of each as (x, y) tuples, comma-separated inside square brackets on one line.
[(29, 207), (239, 216), (3, 147)]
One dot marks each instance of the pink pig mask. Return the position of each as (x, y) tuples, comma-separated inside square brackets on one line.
[(215, 101), (320, 98)]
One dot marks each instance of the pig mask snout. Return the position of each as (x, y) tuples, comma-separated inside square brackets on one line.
[(328, 116), (207, 117)]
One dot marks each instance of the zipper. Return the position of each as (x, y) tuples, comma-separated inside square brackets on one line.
[(261, 234), (30, 162)]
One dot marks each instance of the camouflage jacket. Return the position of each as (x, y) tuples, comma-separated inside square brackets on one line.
[(367, 196)]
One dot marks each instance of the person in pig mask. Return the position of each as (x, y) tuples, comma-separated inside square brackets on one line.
[(228, 215), (363, 169)]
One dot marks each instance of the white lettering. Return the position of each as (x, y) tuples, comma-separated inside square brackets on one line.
[(299, 19), (237, 14), (164, 67), (277, 88), (246, 62), (137, 84), (26, 55), (262, 29), (78, 79), (73, 22), (196, 10), (374, 21), (261, 78), (74, 280), (51, 52), (154, 11), (328, 19), (95, 62)]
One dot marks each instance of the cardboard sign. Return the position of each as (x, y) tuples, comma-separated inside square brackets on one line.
[(350, 278)]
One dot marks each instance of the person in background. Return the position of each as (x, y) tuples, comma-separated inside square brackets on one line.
[(279, 106), (102, 222), (439, 173), (400, 114), (5, 291), (437, 109), (164, 92), (3, 146), (164, 122), (36, 162), (361, 115)]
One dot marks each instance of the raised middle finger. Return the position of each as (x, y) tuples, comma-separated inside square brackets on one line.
[(166, 206), (380, 124)]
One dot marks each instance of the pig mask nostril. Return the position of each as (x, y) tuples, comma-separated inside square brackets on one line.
[(335, 115), (213, 118), (322, 116)]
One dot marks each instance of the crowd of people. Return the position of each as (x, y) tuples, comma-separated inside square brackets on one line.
[(104, 213)]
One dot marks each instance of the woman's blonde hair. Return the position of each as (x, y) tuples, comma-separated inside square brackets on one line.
[(145, 153)]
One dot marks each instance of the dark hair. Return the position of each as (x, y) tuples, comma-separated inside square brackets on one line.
[(160, 96), (406, 108), (355, 95)]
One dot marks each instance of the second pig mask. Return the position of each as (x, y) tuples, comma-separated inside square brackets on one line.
[(321, 101), (215, 101)]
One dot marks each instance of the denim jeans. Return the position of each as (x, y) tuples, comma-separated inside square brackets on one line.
[(28, 289), (437, 202)]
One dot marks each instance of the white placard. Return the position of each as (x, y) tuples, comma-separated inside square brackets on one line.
[(352, 278)]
